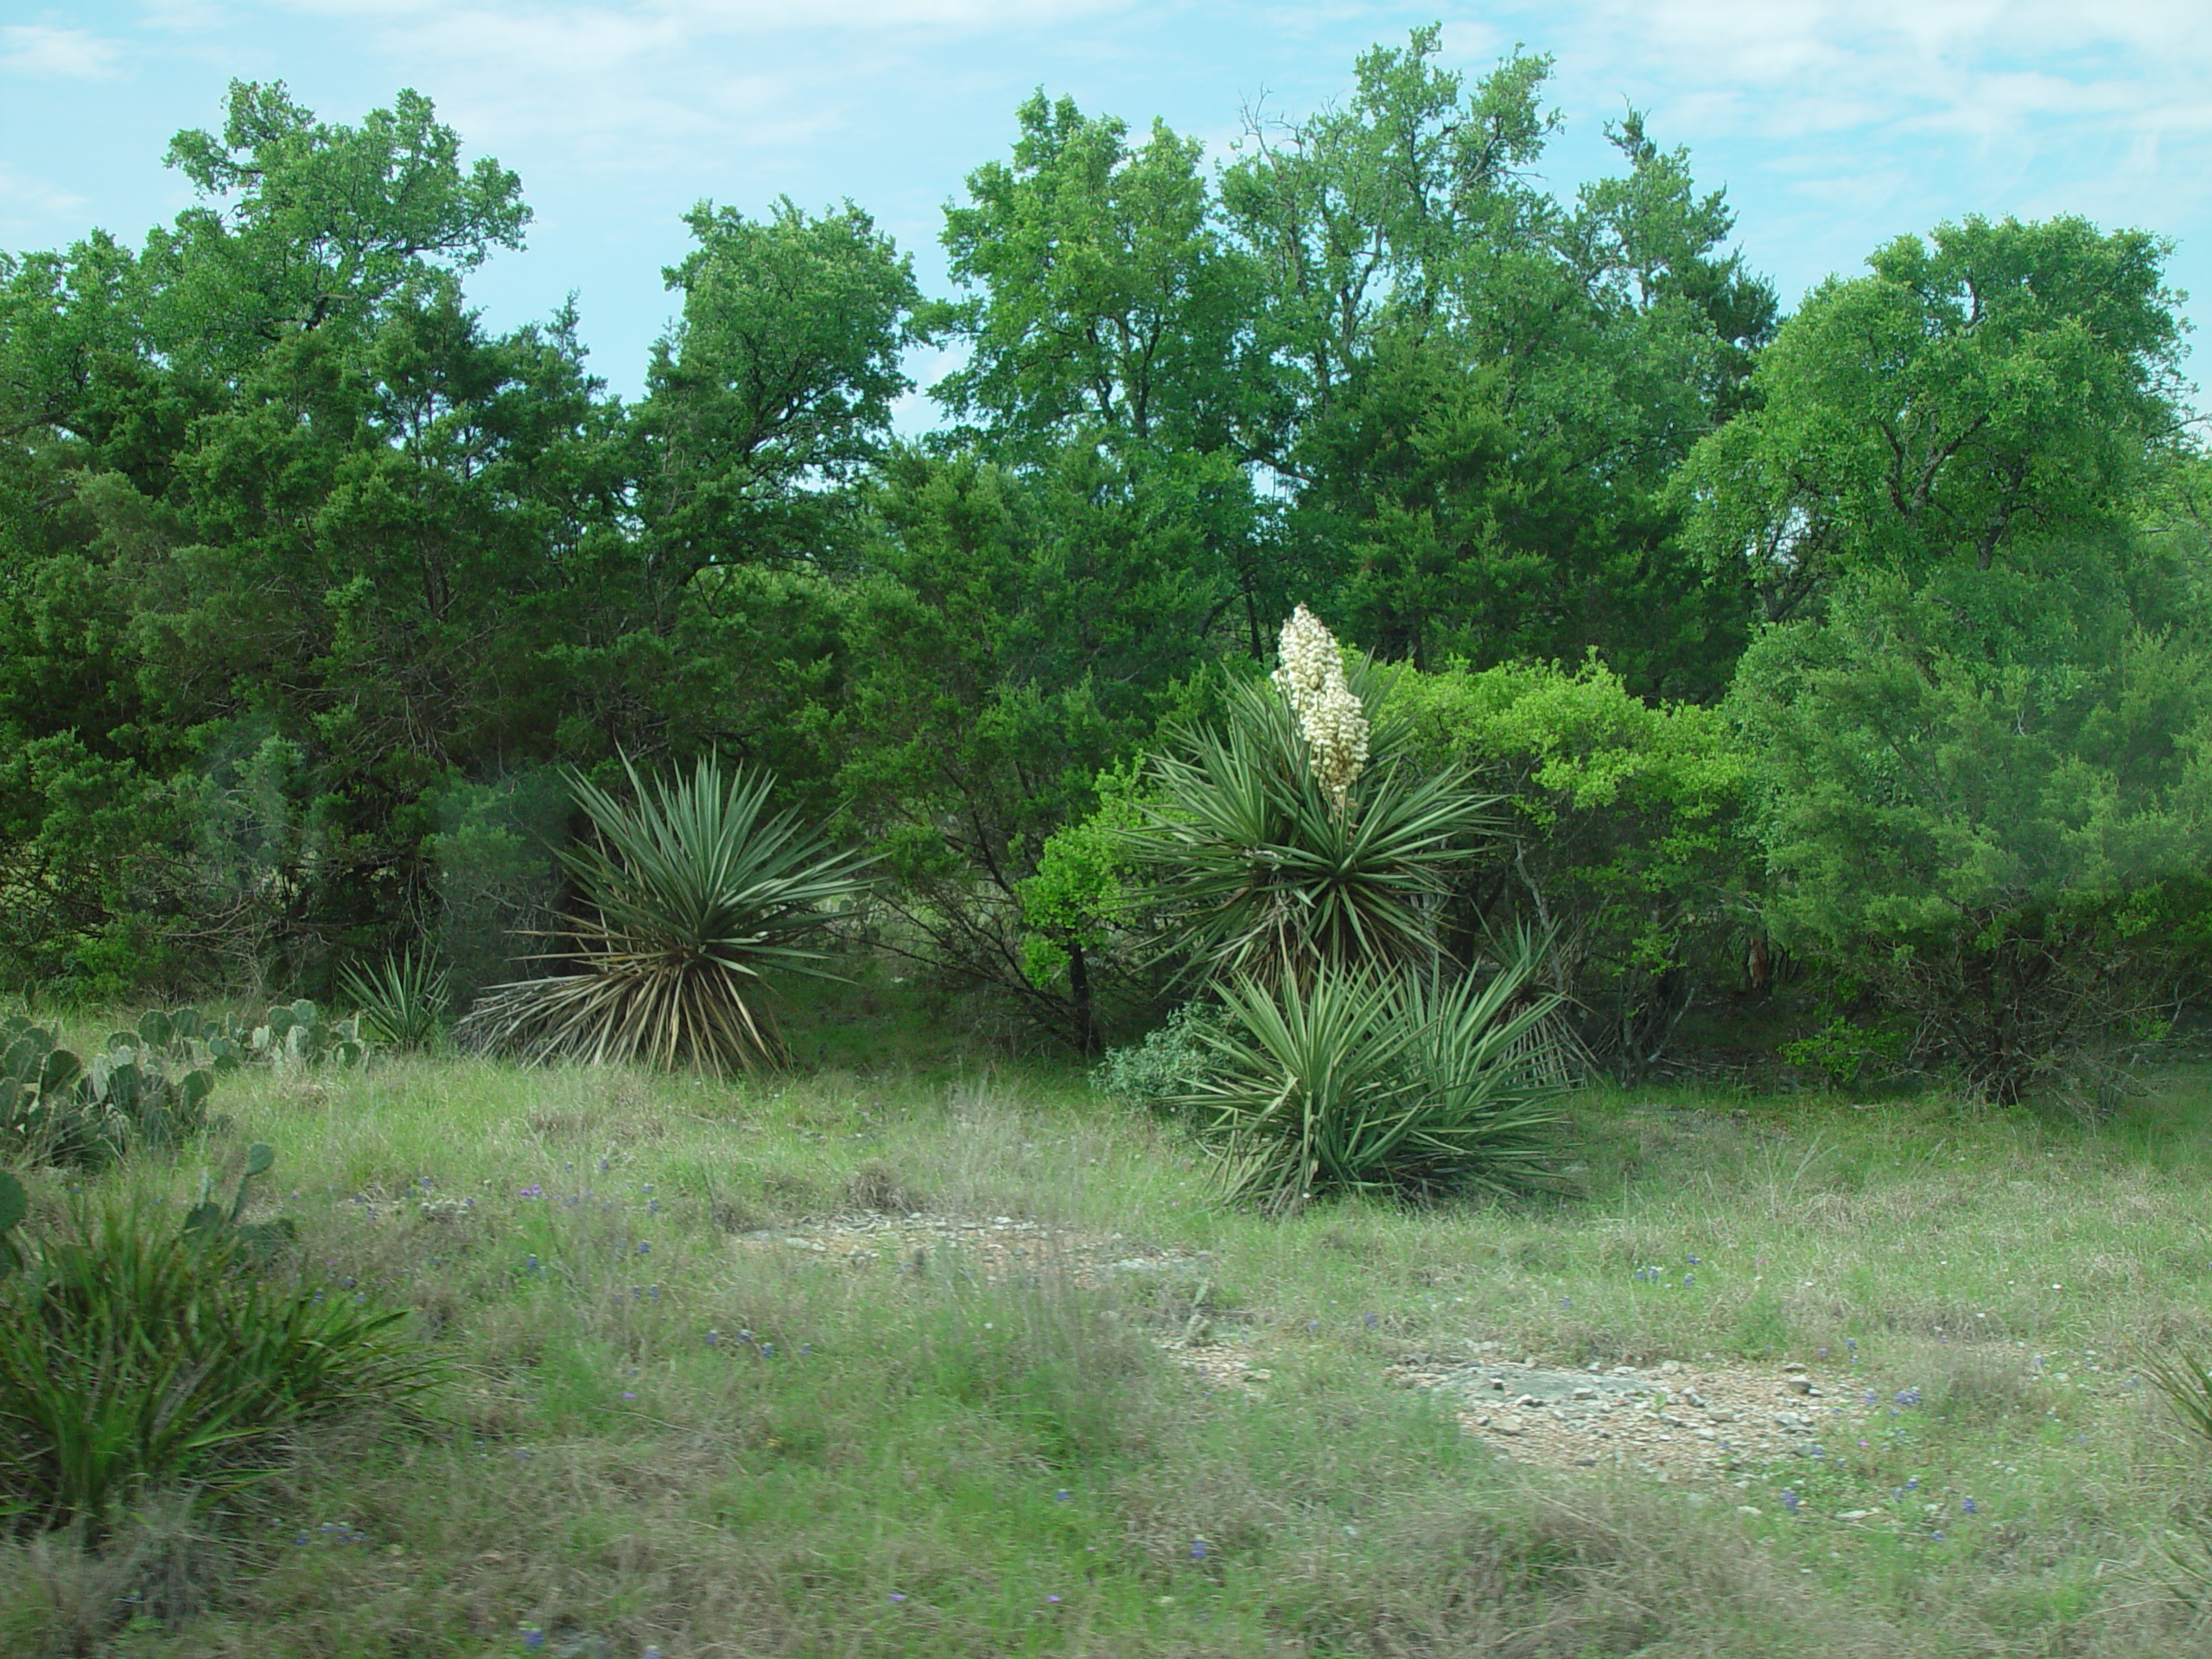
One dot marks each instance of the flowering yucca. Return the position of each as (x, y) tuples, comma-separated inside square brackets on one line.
[(1297, 833), (1329, 713)]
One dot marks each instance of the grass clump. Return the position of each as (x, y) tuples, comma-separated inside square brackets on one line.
[(135, 1354)]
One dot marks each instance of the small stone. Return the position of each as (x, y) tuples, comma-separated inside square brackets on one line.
[(1586, 1393), (1695, 1398), (1799, 1385)]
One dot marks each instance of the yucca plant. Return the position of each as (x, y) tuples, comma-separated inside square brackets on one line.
[(402, 1001), (693, 896), (1353, 1080), (1280, 847)]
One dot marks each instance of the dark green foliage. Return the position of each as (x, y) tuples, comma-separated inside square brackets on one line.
[(695, 896), (15, 1204), (1355, 1082), (133, 1355)]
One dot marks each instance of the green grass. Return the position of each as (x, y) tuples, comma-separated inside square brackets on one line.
[(889, 1480)]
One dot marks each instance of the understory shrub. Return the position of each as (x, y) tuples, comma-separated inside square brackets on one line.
[(1626, 847), (1168, 1063)]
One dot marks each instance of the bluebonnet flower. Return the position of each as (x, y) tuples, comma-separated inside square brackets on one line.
[(1370, 1321), (714, 1339), (1198, 1549), (530, 1262), (533, 1191), (1693, 1260), (644, 1249), (769, 1349), (1689, 1279), (533, 1638), (1908, 1397), (1967, 1506), (1789, 1502), (895, 1596), (1064, 1496)]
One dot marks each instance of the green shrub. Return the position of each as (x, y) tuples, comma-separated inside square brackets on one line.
[(1169, 1062), (133, 1353), (1626, 849), (1983, 806), (1357, 1082)]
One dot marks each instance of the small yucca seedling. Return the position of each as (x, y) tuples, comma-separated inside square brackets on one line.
[(402, 1001)]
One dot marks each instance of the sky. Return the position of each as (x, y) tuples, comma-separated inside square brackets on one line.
[(1834, 125)]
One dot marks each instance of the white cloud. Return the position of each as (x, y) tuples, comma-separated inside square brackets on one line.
[(45, 53), (28, 205)]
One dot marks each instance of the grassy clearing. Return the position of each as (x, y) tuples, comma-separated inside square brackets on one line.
[(660, 1434)]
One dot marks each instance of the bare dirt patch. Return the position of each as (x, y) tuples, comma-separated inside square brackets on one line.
[(1674, 1422)]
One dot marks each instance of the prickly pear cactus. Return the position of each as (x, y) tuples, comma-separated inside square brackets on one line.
[(300, 1033), (209, 1223), (149, 1084)]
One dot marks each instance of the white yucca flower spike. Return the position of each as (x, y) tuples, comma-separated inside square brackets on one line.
[(1332, 718)]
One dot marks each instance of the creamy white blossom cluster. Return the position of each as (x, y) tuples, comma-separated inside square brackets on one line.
[(1335, 724)]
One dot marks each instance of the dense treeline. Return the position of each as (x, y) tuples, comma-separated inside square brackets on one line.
[(1869, 644)]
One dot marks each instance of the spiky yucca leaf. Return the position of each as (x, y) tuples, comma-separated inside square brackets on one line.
[(1272, 880), (694, 894), (1356, 1081), (403, 1000)]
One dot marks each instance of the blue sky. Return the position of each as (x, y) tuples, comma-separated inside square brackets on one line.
[(1832, 124)]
